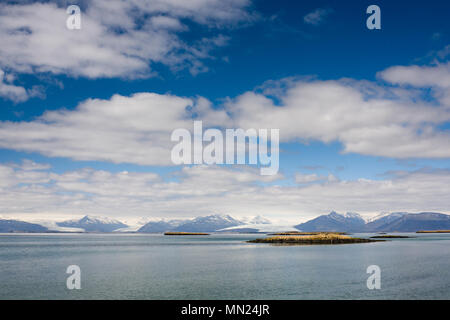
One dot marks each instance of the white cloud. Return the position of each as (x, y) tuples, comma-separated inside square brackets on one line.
[(317, 16), (132, 129), (117, 38), (366, 118), (306, 178), (301, 178), (419, 76), (10, 91), (241, 192), (436, 77)]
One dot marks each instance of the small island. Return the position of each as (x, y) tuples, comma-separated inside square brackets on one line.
[(433, 231), (389, 236), (186, 234), (317, 238), (299, 233)]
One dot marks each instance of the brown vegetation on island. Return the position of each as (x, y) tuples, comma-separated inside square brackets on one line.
[(318, 238), (433, 231), (300, 233)]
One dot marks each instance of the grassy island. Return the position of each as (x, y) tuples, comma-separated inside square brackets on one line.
[(299, 233), (185, 234), (319, 238), (389, 236), (433, 231)]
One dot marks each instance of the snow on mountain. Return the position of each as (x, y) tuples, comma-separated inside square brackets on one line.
[(53, 226), (259, 228), (391, 215), (380, 222), (256, 220), (410, 222), (353, 215), (384, 222), (162, 225), (93, 224), (208, 224), (349, 222)]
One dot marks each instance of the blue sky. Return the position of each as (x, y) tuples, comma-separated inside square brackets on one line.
[(253, 47)]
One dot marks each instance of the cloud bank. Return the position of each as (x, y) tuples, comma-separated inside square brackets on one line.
[(33, 191)]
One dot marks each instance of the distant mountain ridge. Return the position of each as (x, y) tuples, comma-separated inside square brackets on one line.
[(94, 224), (8, 226), (381, 221), (200, 224), (393, 222), (160, 226), (414, 222), (349, 222)]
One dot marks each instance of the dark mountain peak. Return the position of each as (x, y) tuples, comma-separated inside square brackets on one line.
[(7, 226), (349, 222)]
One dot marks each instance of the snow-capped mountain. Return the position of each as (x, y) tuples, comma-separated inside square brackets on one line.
[(379, 222), (161, 226), (259, 224), (53, 226), (200, 224), (385, 222), (256, 220), (349, 222), (411, 222), (94, 224), (208, 224), (263, 228)]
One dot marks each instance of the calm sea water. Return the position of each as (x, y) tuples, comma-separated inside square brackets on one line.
[(139, 266)]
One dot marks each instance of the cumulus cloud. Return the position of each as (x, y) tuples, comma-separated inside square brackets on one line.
[(133, 129), (200, 190), (366, 118), (317, 16), (436, 77), (419, 76), (13, 92), (117, 38)]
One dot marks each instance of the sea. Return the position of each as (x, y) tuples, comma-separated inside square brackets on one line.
[(220, 266)]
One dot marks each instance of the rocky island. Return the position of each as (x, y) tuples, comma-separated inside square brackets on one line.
[(317, 238), (433, 231)]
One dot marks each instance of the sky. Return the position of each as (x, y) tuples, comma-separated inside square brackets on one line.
[(86, 115)]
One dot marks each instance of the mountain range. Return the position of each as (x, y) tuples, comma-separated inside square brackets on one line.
[(200, 224), (393, 222), (348, 222), (93, 224), (407, 222)]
